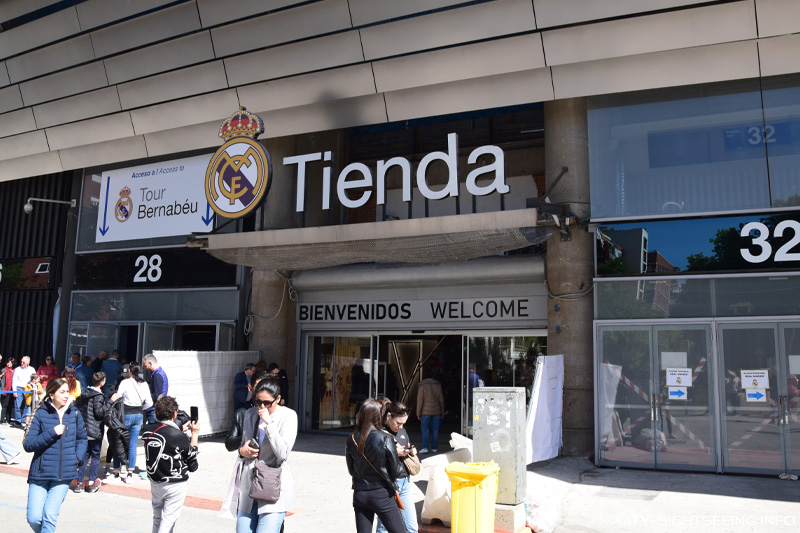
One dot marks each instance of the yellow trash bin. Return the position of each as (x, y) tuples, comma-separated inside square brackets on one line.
[(473, 494)]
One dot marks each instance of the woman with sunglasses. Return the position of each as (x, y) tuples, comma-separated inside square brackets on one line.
[(268, 436), (395, 416), (48, 370)]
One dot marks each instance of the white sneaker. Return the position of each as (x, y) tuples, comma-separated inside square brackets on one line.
[(435, 450), (123, 473), (14, 460), (424, 450)]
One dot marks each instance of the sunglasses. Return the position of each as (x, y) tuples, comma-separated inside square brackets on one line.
[(260, 403)]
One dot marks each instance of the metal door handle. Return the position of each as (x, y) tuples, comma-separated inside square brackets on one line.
[(653, 410)]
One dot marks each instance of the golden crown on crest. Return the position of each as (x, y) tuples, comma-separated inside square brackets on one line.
[(241, 124), (125, 191)]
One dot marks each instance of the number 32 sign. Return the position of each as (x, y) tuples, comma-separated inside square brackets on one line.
[(784, 253)]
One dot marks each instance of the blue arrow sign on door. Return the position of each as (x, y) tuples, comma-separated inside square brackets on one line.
[(104, 228), (755, 395), (679, 393)]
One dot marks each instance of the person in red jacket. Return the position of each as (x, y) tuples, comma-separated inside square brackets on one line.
[(48, 370), (6, 379)]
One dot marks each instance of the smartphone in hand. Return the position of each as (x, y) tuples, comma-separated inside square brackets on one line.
[(194, 415), (253, 443)]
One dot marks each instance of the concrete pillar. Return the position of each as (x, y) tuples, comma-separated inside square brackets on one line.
[(274, 330), (570, 270)]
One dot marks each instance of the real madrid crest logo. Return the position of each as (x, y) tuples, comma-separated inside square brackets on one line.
[(124, 207), (239, 173)]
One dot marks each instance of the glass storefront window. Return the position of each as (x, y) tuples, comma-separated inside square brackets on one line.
[(341, 378), (168, 306), (644, 299), (689, 149), (782, 138)]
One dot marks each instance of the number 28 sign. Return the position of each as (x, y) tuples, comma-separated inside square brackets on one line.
[(759, 233)]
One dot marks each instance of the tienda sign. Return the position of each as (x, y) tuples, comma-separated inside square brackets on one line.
[(358, 179)]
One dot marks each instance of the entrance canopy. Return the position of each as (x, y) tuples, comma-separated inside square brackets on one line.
[(426, 240)]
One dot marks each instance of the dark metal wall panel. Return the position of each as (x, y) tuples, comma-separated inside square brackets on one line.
[(26, 316), (40, 234), (26, 324)]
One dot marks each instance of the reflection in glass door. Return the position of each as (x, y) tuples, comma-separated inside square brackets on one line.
[(684, 406), (101, 337), (750, 416), (790, 347), (501, 361), (627, 433), (157, 337), (340, 375)]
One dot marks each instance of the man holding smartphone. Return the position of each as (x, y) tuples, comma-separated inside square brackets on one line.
[(171, 455)]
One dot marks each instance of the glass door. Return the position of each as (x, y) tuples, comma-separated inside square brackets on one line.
[(684, 397), (499, 361), (626, 407), (339, 376), (158, 337), (790, 348), (101, 337), (751, 397), (225, 336)]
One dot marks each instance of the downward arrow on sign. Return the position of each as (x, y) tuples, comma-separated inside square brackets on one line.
[(104, 228)]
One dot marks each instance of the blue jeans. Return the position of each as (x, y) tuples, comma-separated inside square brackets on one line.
[(44, 504), (253, 522), (134, 425), (93, 453), (7, 449), (410, 511), (19, 406), (431, 423)]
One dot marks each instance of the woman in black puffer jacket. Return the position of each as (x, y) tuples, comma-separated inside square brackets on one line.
[(57, 438), (374, 465)]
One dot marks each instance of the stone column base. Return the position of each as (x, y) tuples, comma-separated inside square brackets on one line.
[(509, 518)]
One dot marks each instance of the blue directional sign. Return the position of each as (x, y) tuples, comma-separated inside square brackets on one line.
[(677, 393), (756, 395)]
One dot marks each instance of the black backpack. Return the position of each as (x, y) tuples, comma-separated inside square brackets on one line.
[(115, 417)]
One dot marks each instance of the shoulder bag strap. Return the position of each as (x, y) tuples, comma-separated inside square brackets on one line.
[(373, 466), (152, 432)]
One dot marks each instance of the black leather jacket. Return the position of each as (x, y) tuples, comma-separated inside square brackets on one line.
[(233, 441), (381, 451)]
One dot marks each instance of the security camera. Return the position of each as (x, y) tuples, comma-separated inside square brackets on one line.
[(28, 208)]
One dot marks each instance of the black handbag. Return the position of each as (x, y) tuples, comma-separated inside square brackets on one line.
[(266, 480)]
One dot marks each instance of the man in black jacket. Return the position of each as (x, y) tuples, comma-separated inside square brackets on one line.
[(170, 455)]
